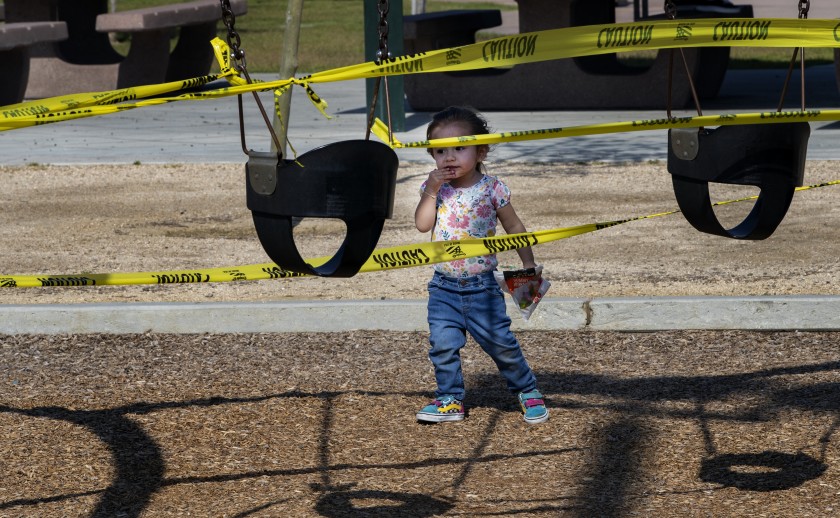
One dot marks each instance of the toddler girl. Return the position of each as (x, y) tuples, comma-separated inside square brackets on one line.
[(459, 201)]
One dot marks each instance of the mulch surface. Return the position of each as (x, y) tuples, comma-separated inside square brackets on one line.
[(658, 424), (295, 425)]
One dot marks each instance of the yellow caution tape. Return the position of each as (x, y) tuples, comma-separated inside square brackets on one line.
[(75, 106), (499, 52), (391, 258), (590, 40), (380, 129), (382, 259)]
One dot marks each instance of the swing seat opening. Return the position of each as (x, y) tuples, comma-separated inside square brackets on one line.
[(768, 156), (353, 181)]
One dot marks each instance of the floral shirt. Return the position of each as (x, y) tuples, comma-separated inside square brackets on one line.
[(465, 214)]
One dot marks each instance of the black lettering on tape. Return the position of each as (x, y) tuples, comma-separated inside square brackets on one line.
[(181, 278), (625, 36), (236, 275), (742, 30), (673, 121), (29, 111), (409, 257), (509, 48), (600, 226), (401, 65), (497, 245), (67, 281), (275, 272), (807, 114)]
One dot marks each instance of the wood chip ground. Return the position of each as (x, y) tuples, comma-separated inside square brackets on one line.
[(681, 423)]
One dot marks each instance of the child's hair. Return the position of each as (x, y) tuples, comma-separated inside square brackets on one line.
[(476, 123)]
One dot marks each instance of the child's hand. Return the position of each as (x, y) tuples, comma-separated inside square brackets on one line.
[(438, 177)]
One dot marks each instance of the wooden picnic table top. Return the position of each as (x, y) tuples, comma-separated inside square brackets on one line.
[(163, 16)]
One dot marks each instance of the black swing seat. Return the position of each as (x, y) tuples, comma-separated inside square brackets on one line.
[(768, 156), (350, 180)]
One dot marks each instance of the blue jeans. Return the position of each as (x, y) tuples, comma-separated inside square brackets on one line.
[(475, 305)]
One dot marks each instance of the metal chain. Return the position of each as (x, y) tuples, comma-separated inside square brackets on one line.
[(233, 39), (671, 12), (804, 7), (238, 55), (670, 9), (798, 52), (383, 53)]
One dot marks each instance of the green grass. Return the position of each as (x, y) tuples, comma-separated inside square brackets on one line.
[(747, 57), (332, 35)]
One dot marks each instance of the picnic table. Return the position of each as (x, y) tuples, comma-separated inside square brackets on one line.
[(86, 61), (592, 82), (15, 41)]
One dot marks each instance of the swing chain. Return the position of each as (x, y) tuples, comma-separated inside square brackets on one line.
[(670, 9), (381, 54), (804, 7), (233, 39), (238, 55), (671, 12)]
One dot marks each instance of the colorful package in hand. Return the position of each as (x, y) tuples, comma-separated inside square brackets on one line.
[(526, 287)]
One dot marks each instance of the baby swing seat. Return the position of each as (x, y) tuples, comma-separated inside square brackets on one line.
[(768, 156), (353, 181)]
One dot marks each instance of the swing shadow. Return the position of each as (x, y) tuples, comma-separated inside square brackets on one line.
[(140, 467), (623, 443), (614, 469)]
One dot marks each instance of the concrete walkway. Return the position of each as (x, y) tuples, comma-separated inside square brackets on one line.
[(801, 313), (208, 131)]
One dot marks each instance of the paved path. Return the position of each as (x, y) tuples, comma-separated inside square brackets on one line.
[(638, 314), (208, 131)]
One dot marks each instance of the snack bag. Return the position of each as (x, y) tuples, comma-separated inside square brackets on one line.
[(526, 287)]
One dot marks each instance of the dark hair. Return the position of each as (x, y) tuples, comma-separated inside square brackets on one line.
[(476, 123)]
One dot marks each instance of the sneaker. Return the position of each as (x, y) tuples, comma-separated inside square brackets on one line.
[(444, 408), (533, 407)]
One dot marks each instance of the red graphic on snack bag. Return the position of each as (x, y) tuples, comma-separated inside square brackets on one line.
[(526, 287)]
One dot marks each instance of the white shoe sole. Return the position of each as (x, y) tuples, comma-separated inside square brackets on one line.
[(537, 420), (439, 418)]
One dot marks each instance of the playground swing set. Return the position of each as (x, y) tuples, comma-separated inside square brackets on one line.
[(351, 180), (354, 180)]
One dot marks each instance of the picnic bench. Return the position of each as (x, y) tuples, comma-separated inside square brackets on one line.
[(86, 61), (592, 82), (15, 41)]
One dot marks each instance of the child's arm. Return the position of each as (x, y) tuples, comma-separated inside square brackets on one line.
[(513, 225), (425, 214)]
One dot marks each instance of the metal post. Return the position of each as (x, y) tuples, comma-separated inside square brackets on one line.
[(288, 67)]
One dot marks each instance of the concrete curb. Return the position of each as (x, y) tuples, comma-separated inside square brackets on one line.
[(796, 312)]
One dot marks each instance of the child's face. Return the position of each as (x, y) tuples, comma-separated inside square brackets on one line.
[(460, 161)]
